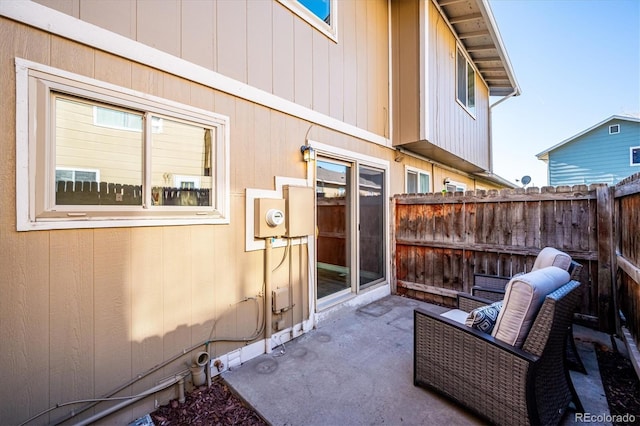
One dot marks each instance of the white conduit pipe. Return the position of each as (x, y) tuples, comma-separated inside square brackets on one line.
[(267, 296), (134, 398)]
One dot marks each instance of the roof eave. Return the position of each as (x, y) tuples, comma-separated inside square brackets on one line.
[(514, 90)]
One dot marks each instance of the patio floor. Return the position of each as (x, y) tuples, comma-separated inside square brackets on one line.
[(356, 368)]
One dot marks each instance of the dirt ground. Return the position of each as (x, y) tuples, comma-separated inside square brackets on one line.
[(218, 405)]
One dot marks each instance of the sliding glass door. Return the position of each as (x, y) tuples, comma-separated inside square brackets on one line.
[(333, 205), (350, 209)]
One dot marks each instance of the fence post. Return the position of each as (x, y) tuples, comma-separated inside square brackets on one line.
[(606, 304), (393, 285)]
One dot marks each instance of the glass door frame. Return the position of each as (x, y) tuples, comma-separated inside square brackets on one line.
[(355, 161)]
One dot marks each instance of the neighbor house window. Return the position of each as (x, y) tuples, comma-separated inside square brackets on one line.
[(108, 117), (635, 155), (614, 129), (113, 157), (321, 14), (451, 186), (466, 83), (417, 181)]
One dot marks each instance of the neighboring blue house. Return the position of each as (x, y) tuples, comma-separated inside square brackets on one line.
[(605, 153)]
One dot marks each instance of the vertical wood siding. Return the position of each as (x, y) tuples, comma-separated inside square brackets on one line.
[(447, 124), (451, 126), (84, 311), (264, 44)]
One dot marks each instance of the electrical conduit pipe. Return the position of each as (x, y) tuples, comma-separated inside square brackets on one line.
[(267, 295), (172, 381)]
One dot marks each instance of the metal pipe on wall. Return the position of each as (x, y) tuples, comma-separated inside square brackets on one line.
[(268, 312), (135, 398)]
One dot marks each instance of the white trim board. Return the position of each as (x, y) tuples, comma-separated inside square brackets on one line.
[(52, 21)]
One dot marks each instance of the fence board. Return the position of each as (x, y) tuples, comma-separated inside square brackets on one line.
[(442, 241), (627, 201)]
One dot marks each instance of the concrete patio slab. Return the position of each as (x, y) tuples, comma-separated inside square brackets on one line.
[(356, 368)]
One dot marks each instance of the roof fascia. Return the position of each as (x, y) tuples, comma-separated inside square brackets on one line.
[(485, 10)]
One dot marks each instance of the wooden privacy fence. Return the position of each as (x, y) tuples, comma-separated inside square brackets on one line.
[(105, 193), (442, 240), (627, 231)]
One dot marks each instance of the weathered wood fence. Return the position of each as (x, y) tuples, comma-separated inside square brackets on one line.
[(627, 231), (442, 240), (105, 193)]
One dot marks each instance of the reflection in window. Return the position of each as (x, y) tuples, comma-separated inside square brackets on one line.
[(320, 8), (466, 82), (104, 164)]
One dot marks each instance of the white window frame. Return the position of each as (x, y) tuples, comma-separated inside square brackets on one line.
[(329, 30), (613, 127), (156, 123), (631, 156), (464, 103), (459, 186), (418, 172), (34, 84)]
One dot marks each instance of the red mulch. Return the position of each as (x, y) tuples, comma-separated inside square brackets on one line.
[(216, 405), (620, 383)]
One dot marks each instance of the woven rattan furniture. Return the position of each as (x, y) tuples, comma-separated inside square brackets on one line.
[(497, 381), (491, 287)]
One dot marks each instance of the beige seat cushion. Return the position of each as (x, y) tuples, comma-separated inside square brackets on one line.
[(523, 298), (550, 256)]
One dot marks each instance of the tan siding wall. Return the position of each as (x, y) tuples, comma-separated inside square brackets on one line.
[(84, 311), (264, 44), (406, 71), (451, 126)]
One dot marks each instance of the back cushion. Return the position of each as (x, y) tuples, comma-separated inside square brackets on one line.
[(523, 298), (550, 256)]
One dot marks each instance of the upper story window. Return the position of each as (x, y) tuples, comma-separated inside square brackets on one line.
[(466, 83), (417, 181), (614, 129), (321, 14), (635, 155), (109, 156)]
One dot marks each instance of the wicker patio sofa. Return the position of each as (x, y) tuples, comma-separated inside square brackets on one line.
[(507, 383)]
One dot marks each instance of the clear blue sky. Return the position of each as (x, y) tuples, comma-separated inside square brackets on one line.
[(577, 63)]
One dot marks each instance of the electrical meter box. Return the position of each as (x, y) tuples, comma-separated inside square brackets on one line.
[(269, 216), (299, 211)]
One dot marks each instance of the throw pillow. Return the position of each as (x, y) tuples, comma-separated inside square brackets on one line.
[(484, 318)]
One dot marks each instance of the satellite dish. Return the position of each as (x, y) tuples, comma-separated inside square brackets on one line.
[(525, 179)]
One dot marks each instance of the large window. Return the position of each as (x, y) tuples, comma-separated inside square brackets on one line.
[(417, 181), (466, 83), (113, 157), (322, 14)]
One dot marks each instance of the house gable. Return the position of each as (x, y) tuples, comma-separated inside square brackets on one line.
[(596, 155)]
